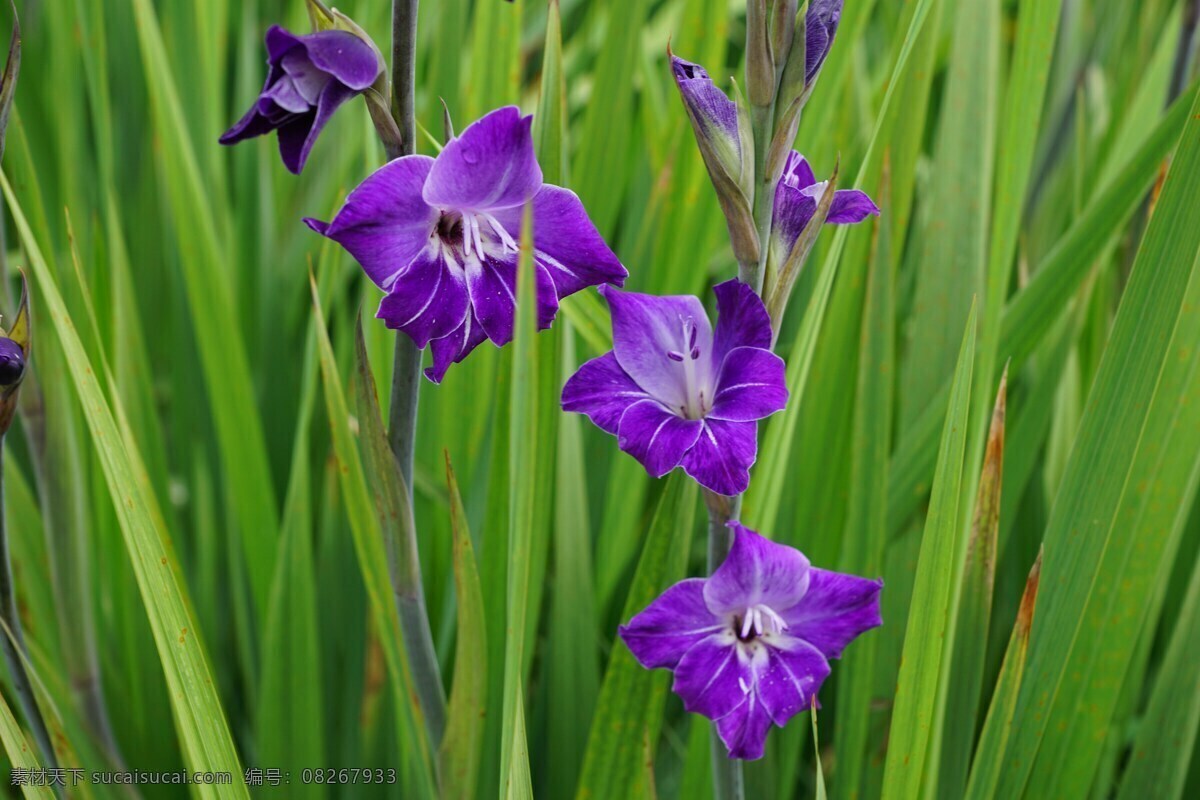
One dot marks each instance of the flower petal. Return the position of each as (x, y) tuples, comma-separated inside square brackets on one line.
[(752, 384), (792, 213), (797, 172), (603, 391), (250, 125), (298, 135), (428, 300), (491, 166), (656, 437), (851, 206), (717, 674), (286, 93), (652, 338), (384, 222), (834, 611), (792, 678), (493, 285), (280, 40), (757, 571), (454, 348), (566, 242), (722, 456), (350, 60), (742, 320), (744, 730), (669, 627)]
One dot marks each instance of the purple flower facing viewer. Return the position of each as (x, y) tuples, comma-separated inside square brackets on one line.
[(750, 645), (310, 76), (677, 393), (440, 236), (796, 200)]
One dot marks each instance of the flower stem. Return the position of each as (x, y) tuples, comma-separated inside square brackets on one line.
[(721, 510), (402, 415), (13, 639), (404, 73), (727, 772)]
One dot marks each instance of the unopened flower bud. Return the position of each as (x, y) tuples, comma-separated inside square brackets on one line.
[(12, 363), (722, 134), (821, 26), (761, 78), (783, 29), (14, 354)]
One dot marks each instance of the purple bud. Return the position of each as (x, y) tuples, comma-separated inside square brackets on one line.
[(821, 26), (12, 362)]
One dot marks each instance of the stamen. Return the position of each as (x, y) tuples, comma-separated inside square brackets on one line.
[(506, 241), (675, 355), (475, 235), (695, 353), (779, 623), (758, 620)]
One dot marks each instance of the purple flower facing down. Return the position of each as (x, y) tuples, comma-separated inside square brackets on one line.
[(821, 24), (440, 236), (796, 200), (677, 393), (309, 77), (750, 645)]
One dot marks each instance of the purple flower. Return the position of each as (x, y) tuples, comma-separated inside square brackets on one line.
[(796, 200), (440, 236), (676, 392), (821, 24), (750, 645), (309, 77)]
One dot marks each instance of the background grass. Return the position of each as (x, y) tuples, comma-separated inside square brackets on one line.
[(199, 560)]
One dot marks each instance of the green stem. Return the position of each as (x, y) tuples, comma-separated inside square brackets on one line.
[(402, 415), (12, 640), (728, 783)]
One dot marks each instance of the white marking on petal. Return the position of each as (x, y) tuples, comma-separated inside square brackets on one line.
[(816, 191)]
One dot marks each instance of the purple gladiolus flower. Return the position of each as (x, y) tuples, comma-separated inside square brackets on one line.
[(750, 645), (821, 24), (675, 392), (309, 77), (440, 236), (796, 200)]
